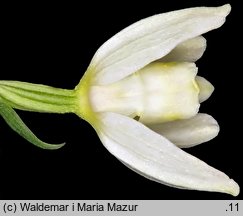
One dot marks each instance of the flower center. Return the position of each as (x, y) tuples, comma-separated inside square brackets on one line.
[(160, 92)]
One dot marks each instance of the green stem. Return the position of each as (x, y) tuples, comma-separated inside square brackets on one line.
[(37, 97)]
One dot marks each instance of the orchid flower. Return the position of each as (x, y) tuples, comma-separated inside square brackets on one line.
[(141, 94)]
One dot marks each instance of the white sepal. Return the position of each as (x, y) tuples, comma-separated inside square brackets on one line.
[(157, 158), (150, 39)]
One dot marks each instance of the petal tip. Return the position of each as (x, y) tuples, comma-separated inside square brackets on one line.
[(234, 188), (229, 187), (225, 9)]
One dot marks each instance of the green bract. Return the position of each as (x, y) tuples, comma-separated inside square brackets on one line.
[(142, 94)]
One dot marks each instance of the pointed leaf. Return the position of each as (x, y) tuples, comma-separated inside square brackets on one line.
[(15, 122)]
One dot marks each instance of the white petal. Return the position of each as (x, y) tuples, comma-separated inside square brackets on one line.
[(150, 39), (188, 51), (189, 132), (157, 158)]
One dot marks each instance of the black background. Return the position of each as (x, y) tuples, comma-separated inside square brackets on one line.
[(53, 44)]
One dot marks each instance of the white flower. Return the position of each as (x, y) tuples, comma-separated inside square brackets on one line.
[(146, 75), (141, 93)]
